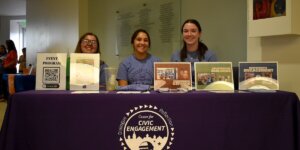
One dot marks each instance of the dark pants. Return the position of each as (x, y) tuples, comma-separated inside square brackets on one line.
[(10, 70)]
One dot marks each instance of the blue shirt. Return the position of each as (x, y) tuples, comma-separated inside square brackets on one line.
[(192, 57), (102, 73), (136, 71)]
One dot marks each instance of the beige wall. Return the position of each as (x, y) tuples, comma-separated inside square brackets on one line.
[(102, 22), (83, 17), (55, 28), (224, 26), (286, 50), (282, 48), (5, 27), (52, 26)]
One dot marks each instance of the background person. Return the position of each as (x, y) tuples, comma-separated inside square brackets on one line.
[(22, 61), (3, 53), (10, 62)]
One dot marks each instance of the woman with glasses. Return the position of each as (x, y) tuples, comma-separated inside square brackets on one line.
[(89, 43)]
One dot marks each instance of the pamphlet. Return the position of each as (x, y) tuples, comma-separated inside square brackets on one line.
[(213, 76), (172, 75), (84, 71), (51, 71), (258, 76)]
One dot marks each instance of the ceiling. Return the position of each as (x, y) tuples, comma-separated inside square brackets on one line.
[(12, 7)]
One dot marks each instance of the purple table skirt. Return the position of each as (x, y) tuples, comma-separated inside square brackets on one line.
[(59, 120)]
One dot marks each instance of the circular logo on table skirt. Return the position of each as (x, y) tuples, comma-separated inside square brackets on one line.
[(146, 128)]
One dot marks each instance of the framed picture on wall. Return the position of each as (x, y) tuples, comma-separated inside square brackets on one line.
[(273, 17), (268, 8)]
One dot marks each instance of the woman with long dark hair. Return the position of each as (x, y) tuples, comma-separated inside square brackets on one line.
[(11, 60), (193, 49), (137, 69)]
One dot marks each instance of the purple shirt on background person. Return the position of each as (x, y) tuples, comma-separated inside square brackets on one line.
[(137, 71)]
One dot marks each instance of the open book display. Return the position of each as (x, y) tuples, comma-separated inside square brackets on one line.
[(51, 71), (213, 76), (84, 71), (258, 75), (172, 75)]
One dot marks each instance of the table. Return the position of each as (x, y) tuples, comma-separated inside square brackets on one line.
[(17, 83), (54, 120)]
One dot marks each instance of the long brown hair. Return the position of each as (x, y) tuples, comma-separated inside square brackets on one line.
[(78, 47), (202, 48), (10, 45)]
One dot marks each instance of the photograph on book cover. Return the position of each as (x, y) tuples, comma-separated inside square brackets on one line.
[(258, 75), (172, 75), (268, 8), (213, 76)]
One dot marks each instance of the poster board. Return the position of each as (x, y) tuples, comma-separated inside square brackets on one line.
[(273, 17), (258, 75), (84, 71), (51, 71), (214, 76), (172, 75)]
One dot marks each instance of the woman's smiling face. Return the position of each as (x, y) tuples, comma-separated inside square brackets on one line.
[(141, 43), (191, 34), (89, 44)]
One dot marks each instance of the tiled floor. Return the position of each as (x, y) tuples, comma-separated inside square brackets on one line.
[(2, 111)]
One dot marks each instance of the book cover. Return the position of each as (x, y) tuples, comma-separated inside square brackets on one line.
[(214, 76), (172, 75), (84, 71), (51, 71), (258, 75)]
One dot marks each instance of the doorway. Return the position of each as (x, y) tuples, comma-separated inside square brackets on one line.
[(17, 34)]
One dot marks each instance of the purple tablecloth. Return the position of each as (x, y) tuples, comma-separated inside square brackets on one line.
[(59, 120)]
